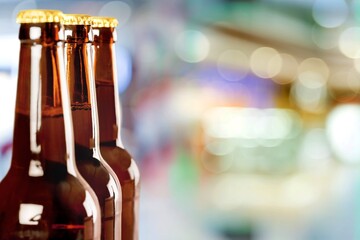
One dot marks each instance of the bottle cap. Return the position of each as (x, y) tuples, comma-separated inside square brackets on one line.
[(104, 22), (39, 16), (76, 19)]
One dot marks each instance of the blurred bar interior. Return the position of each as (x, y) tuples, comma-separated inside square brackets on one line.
[(243, 115)]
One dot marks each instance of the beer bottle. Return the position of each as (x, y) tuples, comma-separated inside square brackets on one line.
[(111, 146), (79, 73), (43, 196)]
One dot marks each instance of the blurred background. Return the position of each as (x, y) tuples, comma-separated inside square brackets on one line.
[(243, 115)]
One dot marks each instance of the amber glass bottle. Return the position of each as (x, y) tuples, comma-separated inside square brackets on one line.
[(108, 106), (43, 196), (78, 61)]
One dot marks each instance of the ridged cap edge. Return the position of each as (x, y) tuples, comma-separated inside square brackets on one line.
[(104, 22), (77, 19), (39, 16)]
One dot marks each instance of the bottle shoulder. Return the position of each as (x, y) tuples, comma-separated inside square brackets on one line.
[(94, 172), (121, 162), (58, 189)]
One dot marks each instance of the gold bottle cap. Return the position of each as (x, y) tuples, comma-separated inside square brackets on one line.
[(104, 22), (77, 19), (39, 16)]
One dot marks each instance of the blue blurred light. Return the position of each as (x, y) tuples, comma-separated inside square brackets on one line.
[(124, 68), (255, 91), (330, 13)]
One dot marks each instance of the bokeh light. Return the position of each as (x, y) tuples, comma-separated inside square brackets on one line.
[(265, 62), (217, 156), (310, 98), (349, 42), (23, 5), (357, 64), (330, 13), (117, 9), (233, 60), (324, 38), (192, 46), (344, 85), (313, 72), (343, 130), (309, 91), (288, 69), (250, 123), (315, 152)]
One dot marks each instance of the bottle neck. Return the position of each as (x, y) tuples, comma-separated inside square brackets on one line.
[(104, 35), (41, 33), (80, 82), (106, 85), (39, 129)]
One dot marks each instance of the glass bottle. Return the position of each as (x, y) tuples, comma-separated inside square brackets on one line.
[(79, 73), (43, 196), (111, 146)]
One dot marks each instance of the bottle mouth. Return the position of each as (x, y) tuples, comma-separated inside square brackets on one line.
[(104, 34), (78, 34)]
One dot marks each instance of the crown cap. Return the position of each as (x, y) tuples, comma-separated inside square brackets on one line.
[(76, 19), (107, 22), (39, 16)]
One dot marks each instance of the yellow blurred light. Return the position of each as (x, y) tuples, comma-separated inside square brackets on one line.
[(309, 98), (223, 193), (288, 69), (219, 148), (312, 79), (265, 62), (352, 81), (310, 90), (192, 46), (316, 66), (233, 60), (357, 64), (275, 65), (344, 85), (349, 42), (185, 109), (299, 191), (217, 156)]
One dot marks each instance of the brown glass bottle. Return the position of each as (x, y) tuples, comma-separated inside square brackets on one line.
[(43, 195), (93, 168), (108, 106)]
